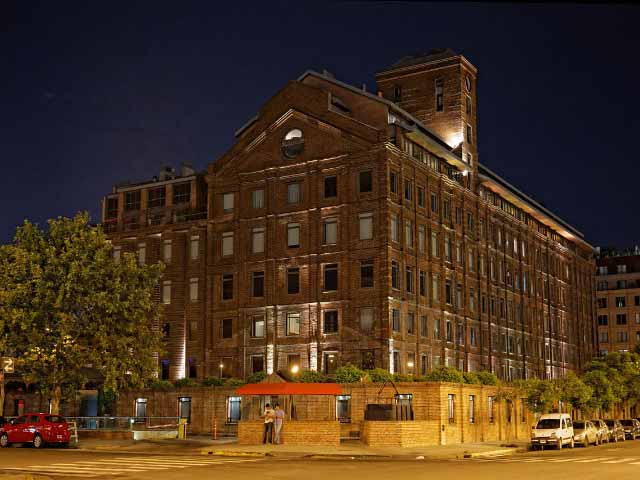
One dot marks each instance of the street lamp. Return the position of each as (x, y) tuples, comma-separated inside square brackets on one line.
[(221, 367), (410, 365), (295, 369)]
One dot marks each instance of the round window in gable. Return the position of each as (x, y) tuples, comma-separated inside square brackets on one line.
[(293, 143)]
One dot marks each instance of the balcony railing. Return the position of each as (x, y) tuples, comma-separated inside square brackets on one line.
[(140, 219)]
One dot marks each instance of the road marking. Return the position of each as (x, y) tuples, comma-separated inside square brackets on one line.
[(622, 460), (590, 460), (562, 460)]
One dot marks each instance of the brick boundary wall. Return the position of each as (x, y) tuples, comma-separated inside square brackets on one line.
[(294, 432), (415, 433)]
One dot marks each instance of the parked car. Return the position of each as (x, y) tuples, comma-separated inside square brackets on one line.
[(631, 428), (616, 432), (555, 429), (38, 429), (603, 430), (585, 433)]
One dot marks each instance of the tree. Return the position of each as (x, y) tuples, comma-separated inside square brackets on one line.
[(67, 306), (445, 374), (349, 374), (573, 391)]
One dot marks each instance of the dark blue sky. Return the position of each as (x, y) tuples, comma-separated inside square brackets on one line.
[(96, 93)]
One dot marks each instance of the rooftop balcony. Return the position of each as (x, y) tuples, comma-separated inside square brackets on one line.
[(138, 219)]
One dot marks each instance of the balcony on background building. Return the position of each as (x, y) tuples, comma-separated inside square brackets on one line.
[(137, 219)]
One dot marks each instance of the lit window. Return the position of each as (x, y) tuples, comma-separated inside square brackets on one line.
[(227, 244), (195, 247), (293, 323), (166, 292), (257, 240), (330, 231), (293, 193), (116, 254), (193, 289), (167, 250), (227, 201), (142, 253), (257, 199), (366, 226), (293, 235)]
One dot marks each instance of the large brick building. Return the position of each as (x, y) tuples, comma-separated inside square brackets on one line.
[(618, 300), (345, 226)]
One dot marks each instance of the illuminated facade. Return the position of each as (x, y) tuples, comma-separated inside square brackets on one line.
[(618, 300), (349, 227)]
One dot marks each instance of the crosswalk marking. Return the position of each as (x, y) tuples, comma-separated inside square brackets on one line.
[(622, 460), (590, 460), (562, 460), (124, 465)]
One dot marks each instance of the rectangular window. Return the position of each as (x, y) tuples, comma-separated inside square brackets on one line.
[(423, 326), (491, 408), (603, 320), (366, 319), (602, 303), (112, 208), (439, 95), (366, 226), (409, 279), (469, 133), (257, 284), (451, 407), (293, 323), (182, 193), (408, 189), (257, 328), (142, 253), (330, 324), (227, 244), (435, 288), (366, 273), (257, 199), (226, 328), (227, 202), (330, 231), (436, 329), (117, 250), (393, 182), (343, 408), (434, 203), (423, 283), (395, 275), (365, 181), (293, 235), (408, 233), (637, 300), (227, 286), (193, 289), (604, 337), (623, 337), (167, 251), (156, 197), (468, 104), (395, 228), (422, 238), (329, 363), (293, 280), (620, 302), (234, 409), (435, 250), (132, 201), (293, 193), (411, 323), (194, 247), (331, 277), (257, 240), (472, 409), (330, 187), (473, 336), (621, 319), (448, 293), (446, 209), (166, 292), (449, 331), (395, 319), (423, 364)]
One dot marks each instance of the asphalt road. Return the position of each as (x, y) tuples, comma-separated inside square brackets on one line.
[(615, 461)]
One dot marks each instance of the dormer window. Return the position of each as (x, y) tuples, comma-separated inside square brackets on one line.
[(293, 143)]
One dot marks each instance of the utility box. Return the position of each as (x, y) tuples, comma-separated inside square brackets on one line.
[(379, 411)]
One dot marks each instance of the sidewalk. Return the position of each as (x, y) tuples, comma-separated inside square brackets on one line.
[(349, 450)]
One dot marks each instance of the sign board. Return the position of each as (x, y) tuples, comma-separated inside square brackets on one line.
[(7, 364)]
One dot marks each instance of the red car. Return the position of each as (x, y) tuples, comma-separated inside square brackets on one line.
[(36, 428)]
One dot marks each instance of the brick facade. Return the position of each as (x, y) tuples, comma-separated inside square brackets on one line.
[(497, 281)]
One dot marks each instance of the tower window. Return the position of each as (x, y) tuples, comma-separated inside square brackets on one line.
[(468, 105), (397, 93), (439, 95), (469, 134)]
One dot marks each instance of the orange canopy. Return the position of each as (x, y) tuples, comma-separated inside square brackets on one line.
[(290, 389)]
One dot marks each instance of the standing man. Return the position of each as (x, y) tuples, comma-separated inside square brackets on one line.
[(268, 423), (279, 420)]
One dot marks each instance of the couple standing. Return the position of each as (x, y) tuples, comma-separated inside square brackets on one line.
[(273, 420)]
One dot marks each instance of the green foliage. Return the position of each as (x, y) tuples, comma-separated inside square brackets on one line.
[(402, 377), (185, 383), (542, 395), (310, 376), (257, 377), (445, 374), (106, 402), (349, 374), (471, 378), (161, 386), (65, 304), (212, 382), (574, 392), (487, 378), (379, 375), (234, 382)]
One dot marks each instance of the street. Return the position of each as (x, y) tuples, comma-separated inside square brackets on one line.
[(621, 461)]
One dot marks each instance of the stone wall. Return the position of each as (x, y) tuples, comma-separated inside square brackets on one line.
[(294, 432), (401, 434)]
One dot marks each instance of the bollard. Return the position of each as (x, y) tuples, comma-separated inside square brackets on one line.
[(182, 429), (215, 428)]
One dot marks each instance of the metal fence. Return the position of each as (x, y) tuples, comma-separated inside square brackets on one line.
[(125, 423)]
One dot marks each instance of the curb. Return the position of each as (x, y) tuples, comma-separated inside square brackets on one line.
[(226, 453), (494, 453)]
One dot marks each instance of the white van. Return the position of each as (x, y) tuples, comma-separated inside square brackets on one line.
[(554, 429)]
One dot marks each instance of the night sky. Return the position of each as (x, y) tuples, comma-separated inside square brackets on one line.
[(96, 93)]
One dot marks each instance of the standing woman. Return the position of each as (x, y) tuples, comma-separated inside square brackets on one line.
[(279, 420)]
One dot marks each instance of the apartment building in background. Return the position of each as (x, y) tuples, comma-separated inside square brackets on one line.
[(618, 300), (345, 226)]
